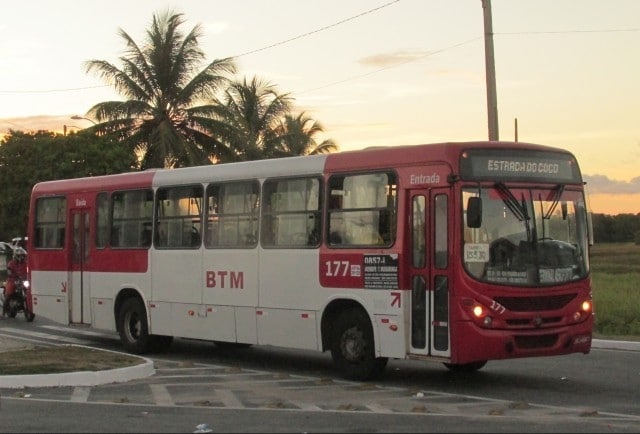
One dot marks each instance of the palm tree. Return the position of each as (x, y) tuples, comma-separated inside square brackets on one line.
[(247, 117), (297, 135), (161, 117)]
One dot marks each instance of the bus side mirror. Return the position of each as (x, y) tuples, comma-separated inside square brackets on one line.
[(474, 212)]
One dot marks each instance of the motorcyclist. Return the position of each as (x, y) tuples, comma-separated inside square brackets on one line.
[(16, 269)]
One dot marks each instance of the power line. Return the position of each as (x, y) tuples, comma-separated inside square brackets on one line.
[(304, 35), (54, 90), (552, 32), (431, 53)]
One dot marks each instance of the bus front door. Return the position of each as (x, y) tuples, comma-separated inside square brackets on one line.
[(429, 272), (79, 288)]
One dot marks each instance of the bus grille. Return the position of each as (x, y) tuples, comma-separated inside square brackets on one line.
[(534, 304), (532, 342)]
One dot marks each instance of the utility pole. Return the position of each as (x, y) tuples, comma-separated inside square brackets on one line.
[(492, 100)]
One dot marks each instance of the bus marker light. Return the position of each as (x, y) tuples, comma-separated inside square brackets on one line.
[(393, 327), (586, 306), (191, 313)]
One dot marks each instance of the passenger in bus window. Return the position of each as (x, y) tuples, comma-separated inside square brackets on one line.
[(146, 234), (336, 229), (161, 234), (195, 235)]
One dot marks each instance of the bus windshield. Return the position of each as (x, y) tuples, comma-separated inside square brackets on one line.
[(526, 236)]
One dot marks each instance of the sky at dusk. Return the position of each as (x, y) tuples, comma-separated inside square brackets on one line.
[(372, 72)]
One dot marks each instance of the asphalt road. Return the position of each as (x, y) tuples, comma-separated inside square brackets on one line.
[(265, 389)]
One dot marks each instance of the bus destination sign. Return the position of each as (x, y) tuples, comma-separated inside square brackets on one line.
[(519, 165)]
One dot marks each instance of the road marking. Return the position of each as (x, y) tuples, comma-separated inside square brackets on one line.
[(305, 406), (80, 394), (378, 409), (161, 395), (48, 336), (229, 398), (81, 331)]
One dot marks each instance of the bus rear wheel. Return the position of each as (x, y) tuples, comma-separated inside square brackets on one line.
[(133, 328), (352, 347)]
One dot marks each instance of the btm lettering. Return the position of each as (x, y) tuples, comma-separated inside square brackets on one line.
[(225, 279)]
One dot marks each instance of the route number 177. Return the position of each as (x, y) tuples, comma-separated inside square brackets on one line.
[(337, 268)]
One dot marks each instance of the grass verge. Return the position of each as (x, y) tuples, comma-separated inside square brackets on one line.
[(60, 359)]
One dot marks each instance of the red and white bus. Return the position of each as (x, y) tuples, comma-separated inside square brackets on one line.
[(457, 253)]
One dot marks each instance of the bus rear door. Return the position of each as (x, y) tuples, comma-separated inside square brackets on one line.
[(429, 272), (79, 288)]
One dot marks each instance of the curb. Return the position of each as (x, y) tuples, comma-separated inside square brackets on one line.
[(615, 345), (80, 378)]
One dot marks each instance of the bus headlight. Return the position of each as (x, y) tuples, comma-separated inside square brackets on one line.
[(585, 309), (480, 313)]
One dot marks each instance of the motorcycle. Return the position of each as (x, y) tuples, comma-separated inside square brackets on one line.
[(18, 302)]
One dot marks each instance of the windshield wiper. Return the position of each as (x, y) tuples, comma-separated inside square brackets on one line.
[(556, 199), (519, 209)]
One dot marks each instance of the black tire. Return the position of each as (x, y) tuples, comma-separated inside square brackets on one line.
[(12, 308), (352, 347), (133, 327), (29, 316), (466, 367)]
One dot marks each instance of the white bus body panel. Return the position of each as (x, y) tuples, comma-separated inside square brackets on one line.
[(50, 295)]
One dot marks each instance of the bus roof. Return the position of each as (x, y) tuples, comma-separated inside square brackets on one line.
[(380, 156)]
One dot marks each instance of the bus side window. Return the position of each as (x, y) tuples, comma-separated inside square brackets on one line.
[(291, 215), (362, 209), (441, 224), (179, 213), (130, 209), (232, 215), (50, 222)]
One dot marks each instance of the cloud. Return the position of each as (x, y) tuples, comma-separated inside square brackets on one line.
[(601, 184), (391, 59), (215, 27)]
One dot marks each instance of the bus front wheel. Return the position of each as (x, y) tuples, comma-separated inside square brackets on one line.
[(352, 347), (465, 367), (133, 328)]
